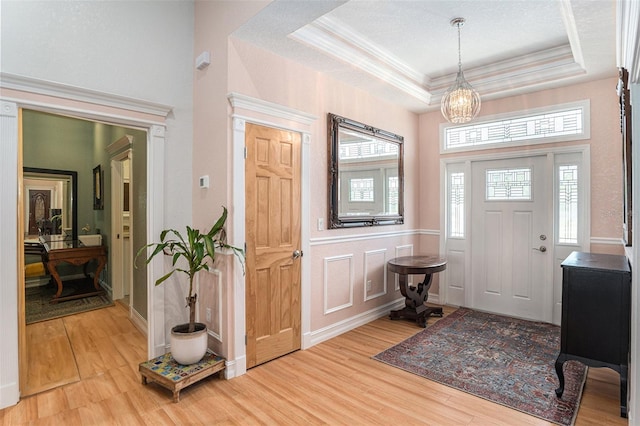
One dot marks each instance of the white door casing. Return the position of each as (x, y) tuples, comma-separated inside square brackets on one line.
[(456, 283), (45, 96), (247, 109), (120, 247)]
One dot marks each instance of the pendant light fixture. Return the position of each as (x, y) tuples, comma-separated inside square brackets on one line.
[(461, 102)]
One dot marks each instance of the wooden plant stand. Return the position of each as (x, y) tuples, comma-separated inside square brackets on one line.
[(166, 372)]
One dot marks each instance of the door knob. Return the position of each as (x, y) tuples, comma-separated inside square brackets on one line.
[(297, 254), (541, 249)]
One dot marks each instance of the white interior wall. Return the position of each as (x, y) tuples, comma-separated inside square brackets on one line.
[(142, 50)]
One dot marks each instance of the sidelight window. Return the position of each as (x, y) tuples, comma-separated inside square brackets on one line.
[(568, 204), (456, 205)]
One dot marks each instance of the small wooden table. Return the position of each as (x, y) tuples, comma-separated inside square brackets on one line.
[(416, 297), (166, 372), (73, 251)]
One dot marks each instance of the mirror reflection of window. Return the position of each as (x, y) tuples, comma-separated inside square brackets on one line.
[(392, 191), (366, 181), (361, 190)]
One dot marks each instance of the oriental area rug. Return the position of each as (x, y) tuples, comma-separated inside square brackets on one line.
[(38, 306), (504, 360)]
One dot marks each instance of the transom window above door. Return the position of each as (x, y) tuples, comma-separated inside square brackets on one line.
[(556, 123)]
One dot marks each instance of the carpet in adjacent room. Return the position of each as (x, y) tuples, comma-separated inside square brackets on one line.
[(38, 306)]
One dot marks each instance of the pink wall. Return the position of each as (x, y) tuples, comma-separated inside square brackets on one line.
[(214, 21), (269, 77), (605, 142), (245, 69)]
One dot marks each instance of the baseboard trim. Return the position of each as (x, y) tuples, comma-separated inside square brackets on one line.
[(9, 395), (235, 368), (348, 324), (138, 321), (334, 330)]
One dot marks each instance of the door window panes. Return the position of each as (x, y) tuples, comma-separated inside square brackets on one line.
[(456, 205), (508, 184), (568, 204)]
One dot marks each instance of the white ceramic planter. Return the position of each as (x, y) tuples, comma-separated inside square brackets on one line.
[(188, 348)]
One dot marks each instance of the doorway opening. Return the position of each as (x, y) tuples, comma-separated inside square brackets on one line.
[(122, 248)]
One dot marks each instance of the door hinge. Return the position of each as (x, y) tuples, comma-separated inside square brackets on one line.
[(245, 152), (245, 340)]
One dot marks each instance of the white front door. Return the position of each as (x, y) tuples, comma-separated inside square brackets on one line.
[(512, 237)]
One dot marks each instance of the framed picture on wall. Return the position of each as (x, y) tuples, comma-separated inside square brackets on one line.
[(98, 202)]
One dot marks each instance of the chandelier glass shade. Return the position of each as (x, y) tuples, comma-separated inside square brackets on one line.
[(461, 102)]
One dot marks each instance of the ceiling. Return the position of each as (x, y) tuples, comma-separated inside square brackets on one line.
[(407, 51)]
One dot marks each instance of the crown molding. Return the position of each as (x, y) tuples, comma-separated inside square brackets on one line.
[(569, 20), (338, 29), (65, 91), (349, 47), (339, 41)]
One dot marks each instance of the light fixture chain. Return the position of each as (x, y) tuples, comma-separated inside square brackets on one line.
[(461, 102), (459, 50)]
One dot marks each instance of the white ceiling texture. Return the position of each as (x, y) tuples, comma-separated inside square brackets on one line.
[(407, 51)]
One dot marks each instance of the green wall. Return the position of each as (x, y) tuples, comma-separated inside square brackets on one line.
[(64, 143)]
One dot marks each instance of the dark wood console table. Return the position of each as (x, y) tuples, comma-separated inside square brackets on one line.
[(415, 297), (596, 315), (73, 251)]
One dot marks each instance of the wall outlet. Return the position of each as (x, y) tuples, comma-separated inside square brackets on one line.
[(208, 314), (368, 285)]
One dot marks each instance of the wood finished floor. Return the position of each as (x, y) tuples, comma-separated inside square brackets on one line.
[(333, 383)]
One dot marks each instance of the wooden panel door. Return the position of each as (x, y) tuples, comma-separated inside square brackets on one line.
[(272, 176)]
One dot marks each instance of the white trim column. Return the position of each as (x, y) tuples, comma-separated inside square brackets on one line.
[(9, 377), (634, 366), (156, 341), (238, 365)]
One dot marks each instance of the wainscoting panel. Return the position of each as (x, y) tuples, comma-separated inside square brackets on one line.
[(338, 282), (404, 250), (375, 273), (210, 298)]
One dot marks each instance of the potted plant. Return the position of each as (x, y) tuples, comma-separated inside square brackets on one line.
[(189, 341)]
